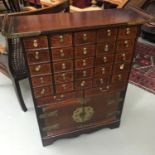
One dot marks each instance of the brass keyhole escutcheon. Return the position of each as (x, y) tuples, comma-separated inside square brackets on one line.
[(83, 114)]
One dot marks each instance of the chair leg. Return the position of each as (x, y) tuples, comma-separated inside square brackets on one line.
[(19, 94)]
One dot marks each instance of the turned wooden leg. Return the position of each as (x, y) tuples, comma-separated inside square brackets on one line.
[(19, 94)]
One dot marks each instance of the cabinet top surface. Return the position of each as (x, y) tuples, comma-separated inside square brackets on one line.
[(23, 26)]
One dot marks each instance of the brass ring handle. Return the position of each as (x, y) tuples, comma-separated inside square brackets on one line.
[(83, 83), (123, 56), (35, 43), (42, 91), (103, 70), (84, 62), (104, 59), (128, 31), (122, 67), (63, 66), (126, 43)]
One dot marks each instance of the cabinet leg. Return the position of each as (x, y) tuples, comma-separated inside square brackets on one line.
[(115, 125)]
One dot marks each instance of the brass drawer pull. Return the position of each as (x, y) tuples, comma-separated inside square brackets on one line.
[(122, 67), (52, 127), (37, 55), (62, 96), (37, 68), (123, 56), (101, 81), (83, 83), (107, 87), (101, 89), (61, 38), (63, 76), (62, 54), (126, 43), (63, 66), (106, 48), (85, 51), (84, 73), (119, 77), (108, 32), (104, 59), (42, 91), (103, 70), (50, 114), (35, 43), (84, 63), (42, 80), (127, 31), (84, 36)]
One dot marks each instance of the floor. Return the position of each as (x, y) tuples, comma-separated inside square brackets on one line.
[(19, 134)]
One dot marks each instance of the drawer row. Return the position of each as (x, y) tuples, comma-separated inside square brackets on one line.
[(77, 38), (79, 85), (125, 48)]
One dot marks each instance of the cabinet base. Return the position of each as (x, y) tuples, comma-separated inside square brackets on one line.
[(50, 140)]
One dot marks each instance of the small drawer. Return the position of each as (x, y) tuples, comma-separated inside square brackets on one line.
[(127, 32), (100, 71), (84, 51), (36, 42), (83, 84), (63, 88), (121, 67), (104, 59), (126, 45), (62, 53), (84, 63), (58, 98), (84, 37), (63, 66), (61, 40), (39, 81), (40, 69), (63, 77), (43, 91), (105, 47), (120, 77), (123, 57), (100, 81), (106, 34), (80, 74), (34, 57)]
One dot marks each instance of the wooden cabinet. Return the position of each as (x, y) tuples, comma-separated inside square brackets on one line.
[(78, 68)]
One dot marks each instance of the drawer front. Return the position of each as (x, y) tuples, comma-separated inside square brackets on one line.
[(34, 57), (83, 84), (62, 53), (63, 66), (126, 45), (60, 120), (63, 88), (84, 37), (104, 59), (43, 91), (121, 67), (84, 51), (87, 73), (40, 69), (61, 40), (106, 34), (123, 57), (101, 81), (120, 77), (100, 71), (36, 42), (105, 47), (49, 100), (39, 81), (84, 63), (127, 32), (63, 77)]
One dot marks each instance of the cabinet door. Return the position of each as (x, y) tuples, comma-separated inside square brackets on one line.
[(102, 108), (59, 120)]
